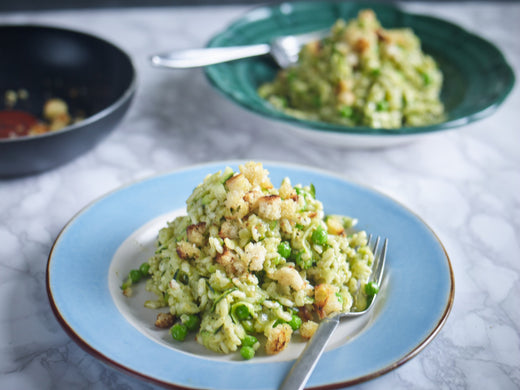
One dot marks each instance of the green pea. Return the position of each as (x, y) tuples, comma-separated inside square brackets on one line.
[(144, 268), (179, 332), (371, 288), (135, 275), (295, 322), (382, 105), (319, 236), (291, 75), (249, 341), (346, 112), (284, 249), (427, 80), (357, 116), (276, 260), (242, 312), (301, 262), (192, 322), (247, 352)]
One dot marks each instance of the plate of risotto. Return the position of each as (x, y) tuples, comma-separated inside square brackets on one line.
[(231, 266), (380, 76)]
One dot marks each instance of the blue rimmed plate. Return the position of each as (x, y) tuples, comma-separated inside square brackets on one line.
[(477, 76), (98, 247)]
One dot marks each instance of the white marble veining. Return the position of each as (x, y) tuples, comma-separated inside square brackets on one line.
[(465, 184)]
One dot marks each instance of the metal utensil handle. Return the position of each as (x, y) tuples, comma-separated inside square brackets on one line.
[(192, 58), (303, 367)]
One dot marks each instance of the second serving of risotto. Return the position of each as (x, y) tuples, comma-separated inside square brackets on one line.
[(361, 75), (250, 264)]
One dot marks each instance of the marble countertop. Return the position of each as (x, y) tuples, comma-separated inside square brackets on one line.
[(465, 184)]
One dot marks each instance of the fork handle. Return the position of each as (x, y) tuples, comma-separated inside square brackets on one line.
[(192, 58), (302, 369)]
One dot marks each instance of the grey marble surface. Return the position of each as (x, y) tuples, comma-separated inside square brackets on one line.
[(465, 184)]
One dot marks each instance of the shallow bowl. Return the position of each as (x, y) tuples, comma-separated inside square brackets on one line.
[(477, 77)]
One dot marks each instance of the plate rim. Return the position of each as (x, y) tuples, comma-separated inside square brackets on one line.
[(325, 128), (100, 356)]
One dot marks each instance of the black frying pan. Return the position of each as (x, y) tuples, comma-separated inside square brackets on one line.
[(94, 77)]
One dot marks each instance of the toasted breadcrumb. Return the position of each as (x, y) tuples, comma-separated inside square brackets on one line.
[(325, 300), (288, 276), (164, 320), (254, 256), (231, 263), (236, 206), (196, 232), (270, 207), (278, 338), (228, 230), (286, 190), (334, 226), (288, 209), (186, 250), (252, 197), (308, 328), (256, 175), (238, 183)]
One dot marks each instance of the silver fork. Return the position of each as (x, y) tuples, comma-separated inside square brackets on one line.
[(284, 50), (302, 369)]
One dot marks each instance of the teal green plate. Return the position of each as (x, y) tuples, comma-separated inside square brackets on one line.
[(477, 77)]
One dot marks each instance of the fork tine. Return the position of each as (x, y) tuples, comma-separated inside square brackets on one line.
[(376, 246), (380, 259)]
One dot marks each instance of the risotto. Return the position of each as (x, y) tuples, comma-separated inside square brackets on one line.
[(361, 75), (250, 264)]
